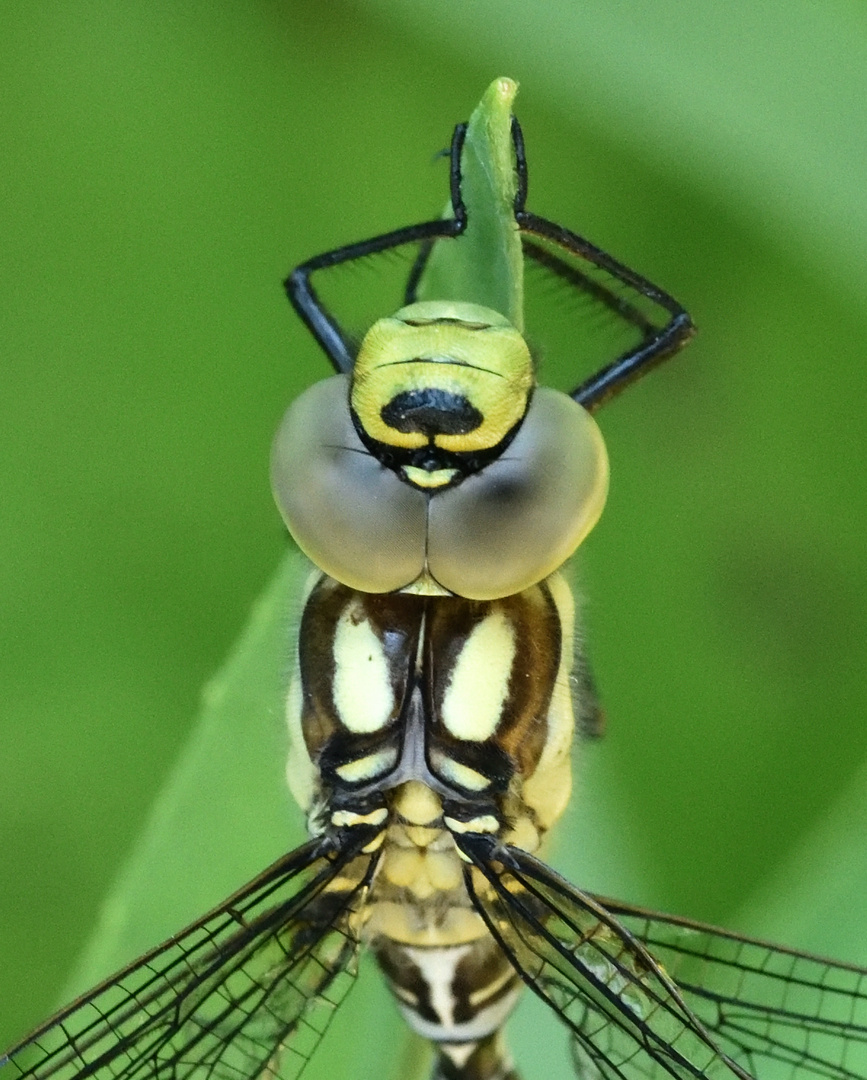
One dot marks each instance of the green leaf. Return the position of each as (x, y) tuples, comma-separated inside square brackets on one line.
[(485, 264), (818, 896)]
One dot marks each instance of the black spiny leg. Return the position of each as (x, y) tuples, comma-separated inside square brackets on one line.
[(659, 339), (320, 322), (550, 245)]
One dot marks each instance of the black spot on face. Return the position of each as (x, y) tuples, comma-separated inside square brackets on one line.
[(432, 412)]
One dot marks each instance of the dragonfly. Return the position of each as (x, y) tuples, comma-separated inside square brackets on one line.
[(439, 681)]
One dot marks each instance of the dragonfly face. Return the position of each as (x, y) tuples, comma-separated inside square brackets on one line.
[(436, 689)]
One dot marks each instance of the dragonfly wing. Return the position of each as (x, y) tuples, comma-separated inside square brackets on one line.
[(779, 1012), (627, 1018), (247, 990)]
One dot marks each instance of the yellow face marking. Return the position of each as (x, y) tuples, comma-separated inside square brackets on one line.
[(362, 688), (473, 703), (424, 479), (464, 350)]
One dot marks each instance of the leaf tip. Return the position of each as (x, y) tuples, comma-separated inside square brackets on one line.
[(502, 91)]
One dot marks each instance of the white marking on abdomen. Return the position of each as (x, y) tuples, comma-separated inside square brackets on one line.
[(438, 968)]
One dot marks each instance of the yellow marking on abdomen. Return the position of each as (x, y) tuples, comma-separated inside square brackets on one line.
[(443, 869), (409, 925)]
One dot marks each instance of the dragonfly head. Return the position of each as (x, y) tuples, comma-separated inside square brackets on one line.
[(439, 466)]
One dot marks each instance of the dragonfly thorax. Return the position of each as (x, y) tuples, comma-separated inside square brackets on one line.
[(470, 699)]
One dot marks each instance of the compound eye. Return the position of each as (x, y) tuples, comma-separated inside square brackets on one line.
[(520, 518), (351, 516)]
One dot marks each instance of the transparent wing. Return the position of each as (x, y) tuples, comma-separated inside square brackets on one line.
[(247, 990), (778, 1012), (627, 1018)]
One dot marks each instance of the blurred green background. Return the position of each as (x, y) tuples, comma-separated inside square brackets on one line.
[(166, 163)]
